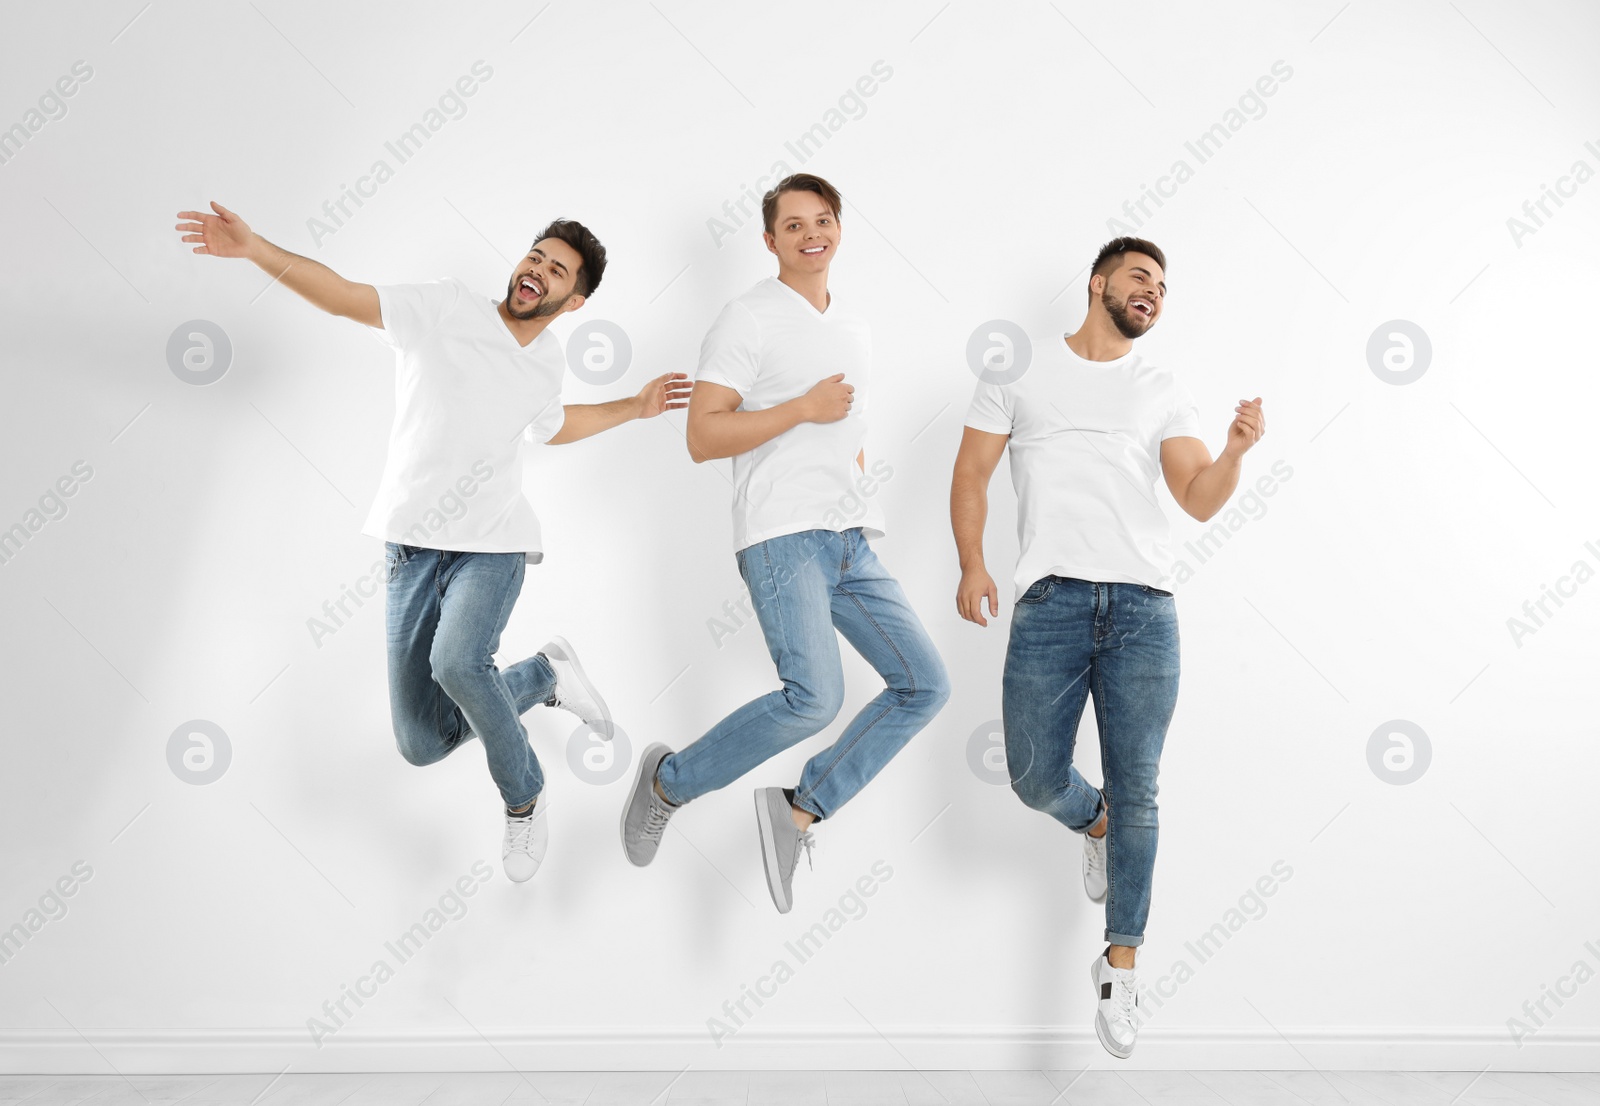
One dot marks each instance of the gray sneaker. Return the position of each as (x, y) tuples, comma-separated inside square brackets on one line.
[(781, 843), (644, 818)]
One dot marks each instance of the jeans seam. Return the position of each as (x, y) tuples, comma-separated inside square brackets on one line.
[(506, 605), (777, 607), (881, 715), (500, 687), (1103, 725)]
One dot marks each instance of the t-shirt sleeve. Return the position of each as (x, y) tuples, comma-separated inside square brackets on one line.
[(1185, 419), (991, 409), (730, 355), (547, 423), (411, 311)]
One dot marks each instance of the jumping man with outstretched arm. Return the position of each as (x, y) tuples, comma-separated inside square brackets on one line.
[(475, 378)]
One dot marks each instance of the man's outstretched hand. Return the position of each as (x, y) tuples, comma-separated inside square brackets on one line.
[(221, 235), (667, 392)]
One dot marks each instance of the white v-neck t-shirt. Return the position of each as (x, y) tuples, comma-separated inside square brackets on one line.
[(771, 345), (466, 393), (1085, 457)]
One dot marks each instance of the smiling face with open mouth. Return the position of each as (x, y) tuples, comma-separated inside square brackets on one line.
[(1134, 294), (805, 232), (543, 281)]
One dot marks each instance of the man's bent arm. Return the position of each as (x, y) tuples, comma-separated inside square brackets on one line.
[(715, 429)]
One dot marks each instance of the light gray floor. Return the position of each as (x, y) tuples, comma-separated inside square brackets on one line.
[(1097, 1087)]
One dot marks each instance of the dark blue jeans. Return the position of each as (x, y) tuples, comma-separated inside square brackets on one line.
[(445, 612), (1118, 642)]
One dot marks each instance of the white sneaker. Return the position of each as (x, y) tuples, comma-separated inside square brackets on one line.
[(573, 690), (527, 838), (1116, 1020), (1094, 866)]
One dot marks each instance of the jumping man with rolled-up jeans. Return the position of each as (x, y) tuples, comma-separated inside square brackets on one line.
[(781, 389), (1090, 426), (474, 379)]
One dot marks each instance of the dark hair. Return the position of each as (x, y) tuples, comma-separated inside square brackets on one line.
[(582, 239), (798, 182), (1109, 259)]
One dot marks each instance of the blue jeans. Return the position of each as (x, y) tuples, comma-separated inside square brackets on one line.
[(445, 612), (1119, 642), (804, 586)]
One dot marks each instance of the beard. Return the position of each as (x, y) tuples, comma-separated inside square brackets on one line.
[(1126, 322), (543, 309)]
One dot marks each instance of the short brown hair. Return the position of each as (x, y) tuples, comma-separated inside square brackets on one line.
[(798, 182), (1109, 259), (581, 239)]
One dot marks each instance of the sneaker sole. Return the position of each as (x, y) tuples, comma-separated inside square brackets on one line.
[(1099, 1030), (645, 760), (769, 850), (564, 650)]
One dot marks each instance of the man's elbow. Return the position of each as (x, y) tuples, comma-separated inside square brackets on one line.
[(694, 442), (1199, 514)]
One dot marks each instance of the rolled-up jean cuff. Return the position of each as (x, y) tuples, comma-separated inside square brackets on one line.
[(665, 790), (1099, 812), (1123, 939), (807, 804)]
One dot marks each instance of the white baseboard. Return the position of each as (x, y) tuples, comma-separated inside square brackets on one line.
[(185, 1051)]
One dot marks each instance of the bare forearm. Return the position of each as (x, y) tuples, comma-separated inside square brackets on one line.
[(1212, 487), (316, 282), (969, 509), (716, 434), (584, 420)]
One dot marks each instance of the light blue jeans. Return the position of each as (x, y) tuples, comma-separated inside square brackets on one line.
[(1118, 642), (445, 612), (804, 587)]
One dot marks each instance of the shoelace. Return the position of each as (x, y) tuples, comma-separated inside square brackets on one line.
[(1097, 856), (805, 841), (655, 820), (1122, 995), (521, 836)]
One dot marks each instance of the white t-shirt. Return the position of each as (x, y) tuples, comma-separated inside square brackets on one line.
[(465, 392), (771, 345), (1085, 457)]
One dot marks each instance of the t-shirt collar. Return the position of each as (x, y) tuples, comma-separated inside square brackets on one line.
[(802, 301), (500, 325)]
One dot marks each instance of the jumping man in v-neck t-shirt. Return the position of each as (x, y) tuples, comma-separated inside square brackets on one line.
[(475, 378), (1091, 425), (782, 389)]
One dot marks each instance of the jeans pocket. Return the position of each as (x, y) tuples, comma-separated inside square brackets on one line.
[(1038, 591), (1148, 590), (393, 558)]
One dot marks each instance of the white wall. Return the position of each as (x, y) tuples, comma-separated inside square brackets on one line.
[(1376, 585)]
